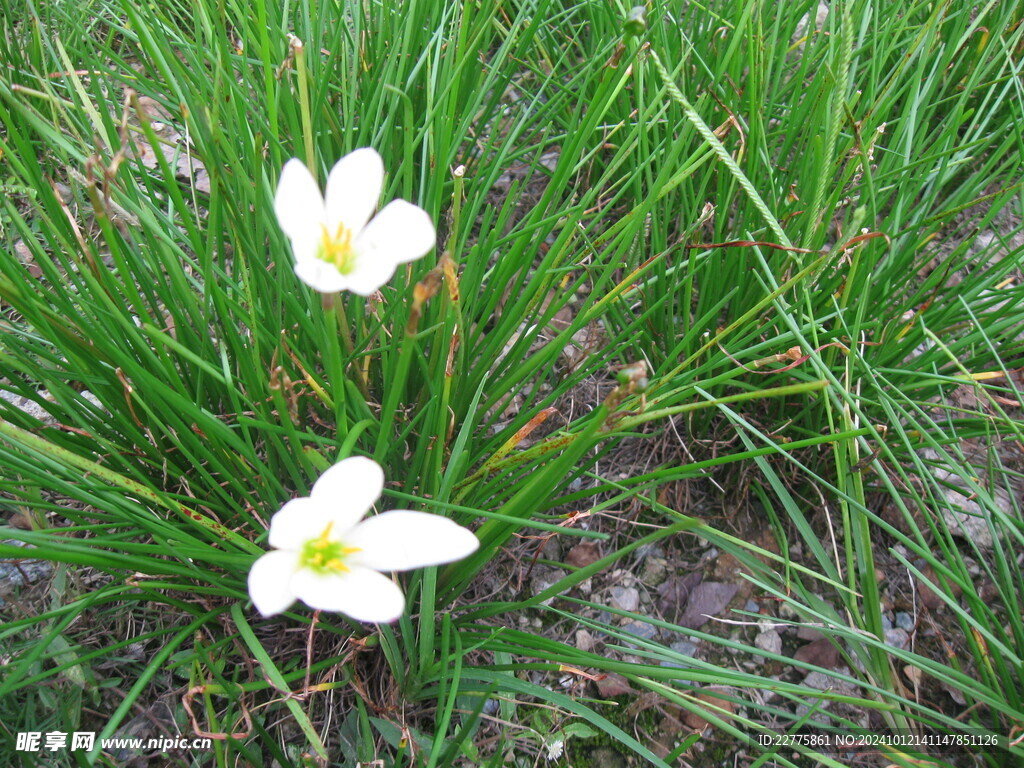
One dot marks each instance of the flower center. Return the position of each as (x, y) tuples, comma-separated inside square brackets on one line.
[(326, 555), (337, 249)]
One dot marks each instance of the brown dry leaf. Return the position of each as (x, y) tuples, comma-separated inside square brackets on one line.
[(929, 598), (21, 520), (914, 674), (707, 599), (583, 554), (668, 731), (713, 697), (821, 653), (955, 694), (643, 701)]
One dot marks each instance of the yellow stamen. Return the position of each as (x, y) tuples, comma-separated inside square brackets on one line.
[(326, 554), (324, 539), (337, 249)]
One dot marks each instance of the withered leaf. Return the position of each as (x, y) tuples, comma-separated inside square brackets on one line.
[(583, 554), (713, 698)]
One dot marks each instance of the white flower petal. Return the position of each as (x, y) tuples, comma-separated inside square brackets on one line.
[(306, 245), (298, 521), (401, 232), (401, 540), (270, 581), (363, 594), (369, 275), (353, 187), (319, 275), (298, 203), (349, 488)]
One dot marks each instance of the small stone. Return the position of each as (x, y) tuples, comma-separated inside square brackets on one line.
[(649, 550), (810, 634), (622, 577), (584, 641), (613, 684), (17, 572), (624, 599), (639, 629), (786, 611), (606, 757), (552, 550), (22, 251), (769, 641), (819, 681), (684, 647), (886, 622), (545, 578), (752, 607), (819, 653), (897, 638), (905, 621), (654, 572)]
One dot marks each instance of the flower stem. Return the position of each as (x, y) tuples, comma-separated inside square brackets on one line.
[(334, 358), (345, 333), (307, 121)]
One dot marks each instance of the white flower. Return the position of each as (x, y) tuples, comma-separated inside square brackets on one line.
[(331, 561), (555, 748), (335, 248)]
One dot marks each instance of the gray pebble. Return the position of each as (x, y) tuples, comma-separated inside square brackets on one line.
[(654, 572), (897, 638), (905, 621), (640, 629), (624, 598), (684, 647), (769, 641), (19, 573), (648, 550)]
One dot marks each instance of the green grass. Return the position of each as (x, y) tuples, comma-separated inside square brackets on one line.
[(711, 193)]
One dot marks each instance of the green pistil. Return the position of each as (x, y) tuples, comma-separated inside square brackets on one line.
[(326, 555), (337, 249)]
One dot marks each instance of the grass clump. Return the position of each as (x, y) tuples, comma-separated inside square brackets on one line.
[(777, 250)]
